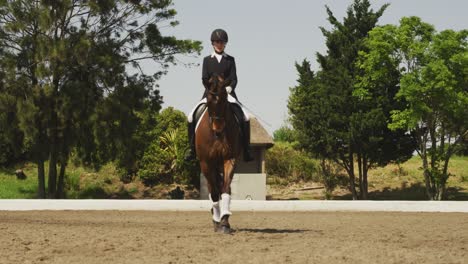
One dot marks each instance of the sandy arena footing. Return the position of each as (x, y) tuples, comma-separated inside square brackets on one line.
[(259, 237)]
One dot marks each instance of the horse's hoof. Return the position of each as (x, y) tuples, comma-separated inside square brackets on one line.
[(225, 230), (216, 226)]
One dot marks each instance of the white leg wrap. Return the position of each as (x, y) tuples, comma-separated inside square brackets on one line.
[(225, 204), (216, 211)]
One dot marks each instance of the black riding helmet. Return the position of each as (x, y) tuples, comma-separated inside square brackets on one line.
[(219, 35)]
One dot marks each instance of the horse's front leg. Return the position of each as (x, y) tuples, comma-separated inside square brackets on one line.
[(214, 193), (229, 166)]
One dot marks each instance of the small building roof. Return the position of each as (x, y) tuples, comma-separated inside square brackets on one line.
[(258, 135)]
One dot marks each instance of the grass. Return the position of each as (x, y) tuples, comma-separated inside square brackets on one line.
[(407, 182), (79, 182), (388, 183), (12, 188), (83, 183)]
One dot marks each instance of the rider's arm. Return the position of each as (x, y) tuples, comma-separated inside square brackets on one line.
[(205, 76), (233, 75)]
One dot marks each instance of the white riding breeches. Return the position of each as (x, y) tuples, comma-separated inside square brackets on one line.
[(230, 99)]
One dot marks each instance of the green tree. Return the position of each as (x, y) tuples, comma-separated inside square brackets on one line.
[(331, 120), (66, 63), (11, 137), (433, 70), (163, 160), (290, 164), (169, 119), (285, 134)]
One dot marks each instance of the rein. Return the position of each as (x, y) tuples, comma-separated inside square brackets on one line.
[(216, 117)]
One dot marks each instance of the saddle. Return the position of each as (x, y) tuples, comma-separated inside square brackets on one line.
[(198, 113)]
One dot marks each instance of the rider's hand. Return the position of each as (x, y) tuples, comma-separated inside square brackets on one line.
[(228, 89)]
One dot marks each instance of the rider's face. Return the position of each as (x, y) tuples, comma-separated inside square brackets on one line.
[(219, 46)]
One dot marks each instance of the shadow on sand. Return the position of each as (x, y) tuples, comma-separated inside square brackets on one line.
[(272, 230)]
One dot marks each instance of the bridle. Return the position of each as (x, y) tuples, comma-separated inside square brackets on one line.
[(215, 117)]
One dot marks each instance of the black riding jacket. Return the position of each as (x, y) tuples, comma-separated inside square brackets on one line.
[(226, 67)]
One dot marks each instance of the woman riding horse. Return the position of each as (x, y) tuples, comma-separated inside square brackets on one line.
[(218, 149), (220, 64)]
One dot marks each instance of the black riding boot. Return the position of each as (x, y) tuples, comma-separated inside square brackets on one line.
[(246, 140), (190, 155)]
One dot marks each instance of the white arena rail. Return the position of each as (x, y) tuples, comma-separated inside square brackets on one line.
[(237, 205)]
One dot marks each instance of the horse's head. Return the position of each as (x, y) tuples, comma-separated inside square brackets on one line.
[(217, 102)]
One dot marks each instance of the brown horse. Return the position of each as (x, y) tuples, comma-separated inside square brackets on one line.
[(218, 146)]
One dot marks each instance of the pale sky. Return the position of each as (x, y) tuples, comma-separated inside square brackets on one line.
[(267, 38)]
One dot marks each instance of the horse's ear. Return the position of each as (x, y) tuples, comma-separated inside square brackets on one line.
[(207, 83)]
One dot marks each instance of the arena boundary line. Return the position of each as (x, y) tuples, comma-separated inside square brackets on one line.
[(237, 205)]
